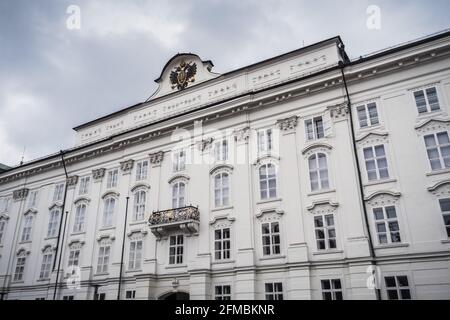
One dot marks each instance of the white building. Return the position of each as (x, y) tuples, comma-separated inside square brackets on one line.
[(280, 190)]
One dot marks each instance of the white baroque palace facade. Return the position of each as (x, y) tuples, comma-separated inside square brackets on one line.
[(292, 178)]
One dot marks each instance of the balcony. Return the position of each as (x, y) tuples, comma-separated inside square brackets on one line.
[(186, 219)]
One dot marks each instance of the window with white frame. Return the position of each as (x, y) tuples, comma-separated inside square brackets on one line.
[(274, 290), (80, 217), (221, 189), (140, 197), (222, 244), (222, 292), (271, 238), (438, 150), (265, 140), (5, 204), (397, 288), (427, 100), (27, 228), (20, 266), (314, 128), (331, 289), (386, 224), (318, 172), (445, 208), (325, 231), (33, 199), (84, 185), (368, 115), (179, 161), (53, 223), (108, 212), (112, 178), (47, 259), (103, 257), (268, 181), (176, 248), (59, 192), (178, 194), (3, 223), (74, 256), (68, 297), (135, 254), (141, 170), (376, 163), (221, 150), (130, 294)]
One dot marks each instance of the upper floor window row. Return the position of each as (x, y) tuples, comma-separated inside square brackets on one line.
[(59, 192), (368, 115), (314, 128), (84, 185), (112, 178), (427, 100), (438, 150), (376, 163), (5, 204), (141, 170)]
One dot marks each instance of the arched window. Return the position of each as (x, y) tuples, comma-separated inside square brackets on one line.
[(53, 223), (80, 216), (318, 172), (178, 194), (47, 259), (20, 266), (222, 189), (268, 181), (108, 212), (139, 205), (27, 226)]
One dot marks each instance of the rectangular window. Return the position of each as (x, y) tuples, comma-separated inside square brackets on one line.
[(325, 232), (274, 291), (271, 238), (427, 100), (179, 161), (84, 186), (265, 141), (53, 223), (386, 224), (397, 288), (438, 150), (376, 163), (103, 258), (74, 258), (176, 249), (80, 215), (130, 294), (68, 297), (33, 199), (100, 296), (314, 129), (368, 115), (112, 178), (331, 289), (135, 258), (2, 229), (5, 204), (222, 244), (26, 230), (20, 267), (221, 150), (59, 192), (445, 208), (222, 293), (141, 170), (47, 259)]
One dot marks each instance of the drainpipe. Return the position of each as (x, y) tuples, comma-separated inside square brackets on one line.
[(61, 231), (123, 249), (373, 261)]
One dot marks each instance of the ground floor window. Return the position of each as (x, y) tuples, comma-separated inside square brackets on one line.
[(274, 291), (130, 294), (222, 293), (331, 289), (397, 288)]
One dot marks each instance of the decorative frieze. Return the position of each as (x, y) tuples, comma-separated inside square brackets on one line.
[(20, 194), (126, 166), (98, 174), (339, 112), (72, 181), (242, 135), (288, 124), (156, 158)]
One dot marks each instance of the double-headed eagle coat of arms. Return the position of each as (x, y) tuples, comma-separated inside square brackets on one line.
[(182, 75)]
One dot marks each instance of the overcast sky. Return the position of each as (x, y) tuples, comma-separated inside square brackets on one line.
[(53, 78)]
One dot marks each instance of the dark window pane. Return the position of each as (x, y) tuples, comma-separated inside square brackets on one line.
[(390, 282)]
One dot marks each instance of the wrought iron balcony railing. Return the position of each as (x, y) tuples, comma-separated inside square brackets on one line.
[(163, 222)]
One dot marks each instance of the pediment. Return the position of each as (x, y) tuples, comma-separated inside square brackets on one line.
[(181, 72)]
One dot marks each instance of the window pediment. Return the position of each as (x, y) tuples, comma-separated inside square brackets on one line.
[(269, 214), (179, 177), (266, 159), (4, 216), (221, 167), (219, 222), (108, 194), (106, 237), (433, 125), (76, 243), (382, 198), (48, 247), (79, 200), (137, 234), (323, 207), (441, 188), (34, 211), (316, 147), (56, 205), (140, 185), (22, 252), (373, 138)]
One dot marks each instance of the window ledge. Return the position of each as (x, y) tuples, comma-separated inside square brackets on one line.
[(445, 241), (135, 223), (176, 266), (25, 242), (101, 274), (269, 201), (392, 246), (106, 228), (222, 208), (378, 182), (133, 271), (17, 282), (370, 128), (438, 172), (43, 280), (315, 193), (428, 114), (78, 233), (325, 252), (272, 257), (218, 262), (50, 238)]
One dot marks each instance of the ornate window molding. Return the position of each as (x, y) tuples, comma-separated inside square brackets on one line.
[(34, 211), (440, 189), (221, 168), (22, 252), (4, 216), (339, 112), (266, 159), (382, 192), (269, 214), (219, 222), (433, 125), (316, 148), (48, 246), (179, 177), (98, 174), (106, 237), (373, 138), (76, 243), (82, 199), (323, 207), (72, 181), (383, 198), (20, 194), (156, 158), (242, 135), (110, 193), (127, 166), (289, 124), (141, 185), (137, 234)]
